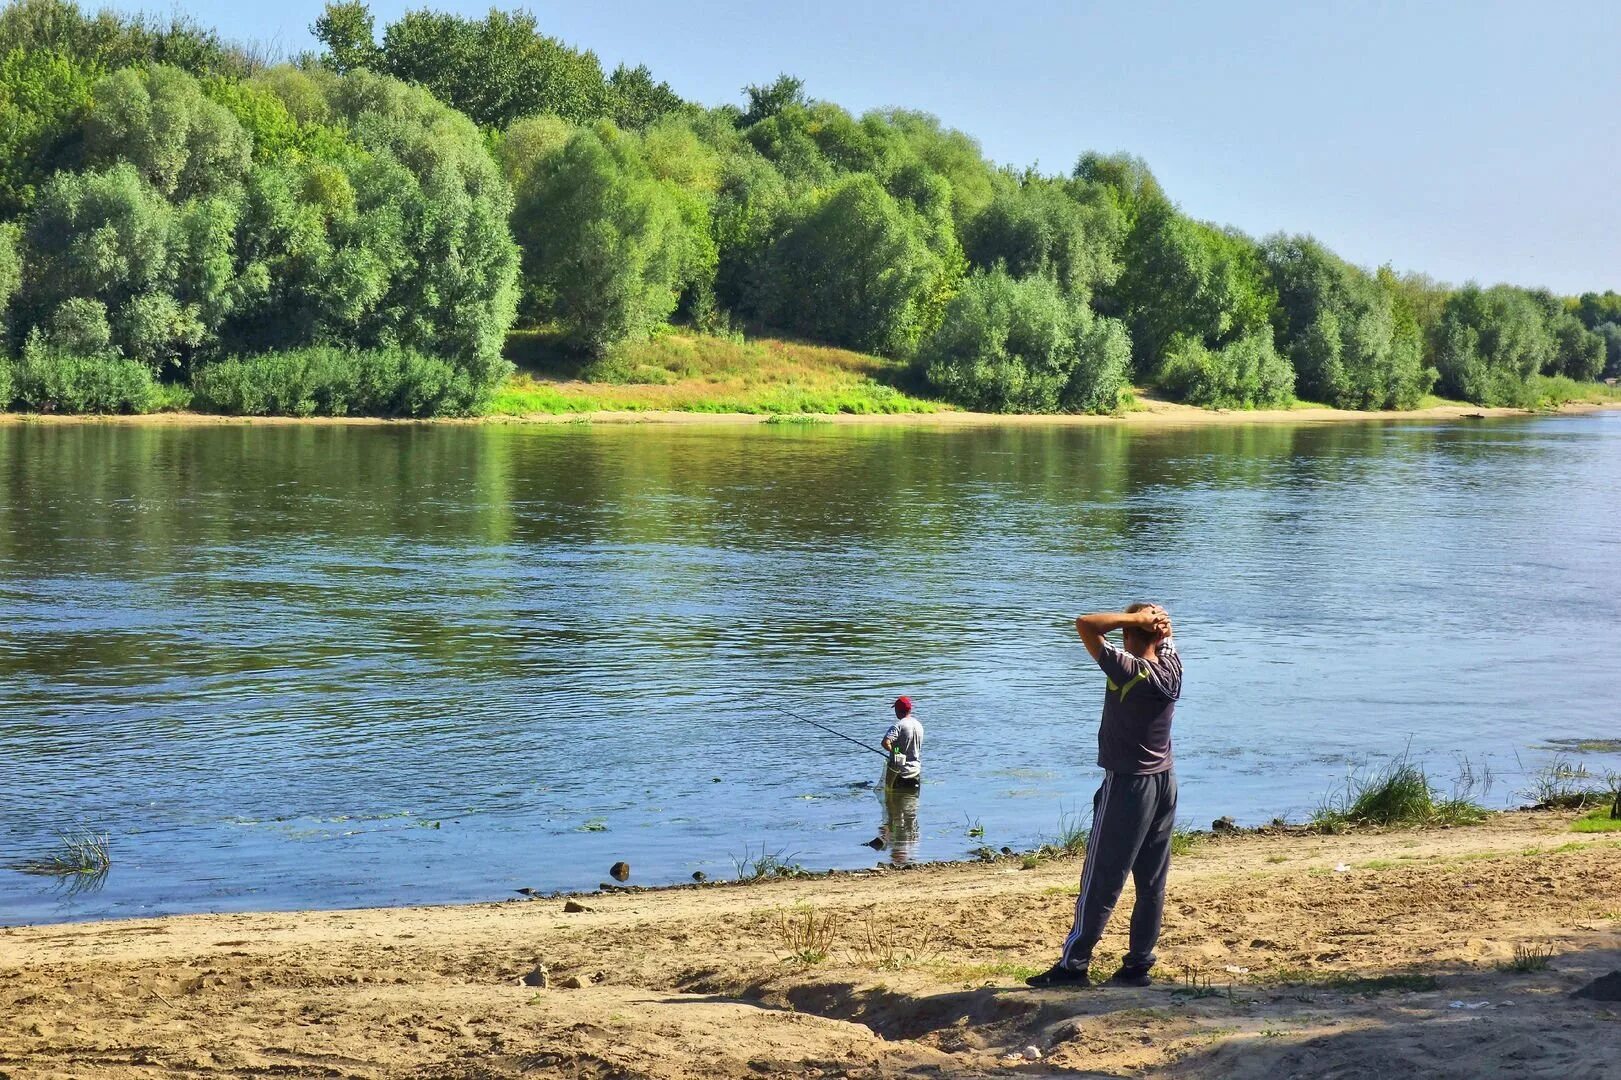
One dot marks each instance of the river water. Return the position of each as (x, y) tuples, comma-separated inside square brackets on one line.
[(320, 666)]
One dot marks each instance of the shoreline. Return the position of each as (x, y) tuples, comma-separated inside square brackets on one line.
[(1151, 414), (1283, 953)]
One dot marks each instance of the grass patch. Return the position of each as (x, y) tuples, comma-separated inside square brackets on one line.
[(78, 851), (1399, 794), (1597, 820), (882, 947), (689, 372), (754, 866), (1563, 785), (1185, 840), (806, 934), (1554, 390), (1528, 958), (1347, 983), (1074, 829), (970, 973)]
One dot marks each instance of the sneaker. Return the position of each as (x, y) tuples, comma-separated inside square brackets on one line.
[(1060, 976), (1130, 977)]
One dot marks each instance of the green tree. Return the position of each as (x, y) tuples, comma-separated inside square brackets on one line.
[(495, 69), (109, 40), (1036, 227), (1186, 280), (637, 99), (44, 97), (766, 101), (158, 120), (1351, 336), (1243, 374), (11, 277), (857, 268), (1490, 343), (606, 245), (1611, 333), (1009, 345), (1577, 351), (349, 34)]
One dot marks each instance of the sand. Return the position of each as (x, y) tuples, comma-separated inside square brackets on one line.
[(921, 977), (1150, 413)]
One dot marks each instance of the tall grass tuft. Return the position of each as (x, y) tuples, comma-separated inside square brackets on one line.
[(754, 866), (1399, 794), (805, 933), (1561, 785), (79, 850), (1074, 830)]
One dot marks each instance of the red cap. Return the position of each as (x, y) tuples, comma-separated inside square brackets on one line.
[(903, 704)]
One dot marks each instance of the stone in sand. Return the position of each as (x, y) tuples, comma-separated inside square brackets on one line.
[(573, 982), (1603, 988), (571, 906), (1224, 824), (539, 977), (699, 875), (619, 871)]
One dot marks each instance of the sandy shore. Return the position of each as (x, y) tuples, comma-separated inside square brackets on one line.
[(1265, 939), (1150, 413)]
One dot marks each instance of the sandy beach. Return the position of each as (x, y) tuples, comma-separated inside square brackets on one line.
[(1285, 954), (1148, 414)]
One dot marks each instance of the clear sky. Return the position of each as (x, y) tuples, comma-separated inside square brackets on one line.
[(1469, 140)]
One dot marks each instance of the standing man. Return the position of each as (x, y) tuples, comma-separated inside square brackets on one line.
[(904, 744), (1134, 810)]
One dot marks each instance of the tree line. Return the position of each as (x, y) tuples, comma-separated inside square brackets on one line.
[(357, 229)]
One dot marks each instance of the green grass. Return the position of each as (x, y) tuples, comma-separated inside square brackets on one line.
[(688, 372), (1597, 820), (754, 866), (1184, 840), (78, 851), (1073, 831), (1528, 958), (969, 973), (1399, 794), (1348, 983), (1554, 390)]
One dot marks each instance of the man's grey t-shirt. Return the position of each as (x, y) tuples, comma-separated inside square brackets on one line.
[(1135, 735), (908, 736)]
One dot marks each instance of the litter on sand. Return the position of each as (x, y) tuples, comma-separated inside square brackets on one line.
[(1469, 1005)]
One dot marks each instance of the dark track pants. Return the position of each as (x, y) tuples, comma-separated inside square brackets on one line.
[(1132, 819)]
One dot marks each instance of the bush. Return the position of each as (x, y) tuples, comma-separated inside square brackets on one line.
[(327, 381), (1490, 345), (49, 379), (1022, 346), (1245, 374)]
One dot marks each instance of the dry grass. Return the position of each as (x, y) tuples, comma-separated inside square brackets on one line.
[(806, 934), (685, 372)]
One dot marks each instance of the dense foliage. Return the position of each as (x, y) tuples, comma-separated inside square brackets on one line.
[(356, 231)]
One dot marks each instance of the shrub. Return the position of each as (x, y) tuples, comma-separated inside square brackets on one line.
[(327, 381), (1022, 346), (1247, 373), (50, 379)]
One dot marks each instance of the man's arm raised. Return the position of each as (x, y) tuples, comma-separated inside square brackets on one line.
[(1092, 628)]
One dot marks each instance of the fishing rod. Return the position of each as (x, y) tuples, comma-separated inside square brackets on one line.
[(840, 734)]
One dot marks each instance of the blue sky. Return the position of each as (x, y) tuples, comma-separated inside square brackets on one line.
[(1469, 140)]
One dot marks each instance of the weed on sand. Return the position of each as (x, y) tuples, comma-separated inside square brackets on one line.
[(1397, 795), (1528, 958), (1596, 820)]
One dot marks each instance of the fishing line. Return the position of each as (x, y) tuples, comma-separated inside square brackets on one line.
[(840, 734)]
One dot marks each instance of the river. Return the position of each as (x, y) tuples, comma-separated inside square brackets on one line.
[(327, 666)]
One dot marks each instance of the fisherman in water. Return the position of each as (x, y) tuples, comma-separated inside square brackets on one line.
[(903, 742), (1134, 810)]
